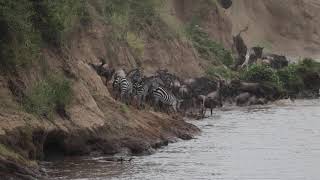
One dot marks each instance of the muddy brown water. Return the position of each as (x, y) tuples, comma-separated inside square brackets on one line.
[(279, 141)]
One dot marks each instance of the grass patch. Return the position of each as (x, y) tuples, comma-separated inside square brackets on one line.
[(262, 74), (296, 77), (173, 23), (290, 78), (136, 44), (48, 96), (19, 42), (124, 108), (207, 48), (27, 25), (54, 19), (136, 16)]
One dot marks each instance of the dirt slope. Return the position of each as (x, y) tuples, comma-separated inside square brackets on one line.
[(99, 123), (289, 27)]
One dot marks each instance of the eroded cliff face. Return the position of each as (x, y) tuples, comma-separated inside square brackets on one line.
[(96, 122), (288, 27)]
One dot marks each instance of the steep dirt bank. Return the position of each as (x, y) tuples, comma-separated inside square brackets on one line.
[(288, 27), (94, 121)]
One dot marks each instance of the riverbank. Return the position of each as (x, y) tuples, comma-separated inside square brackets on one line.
[(274, 141), (55, 104), (95, 124), (140, 134)]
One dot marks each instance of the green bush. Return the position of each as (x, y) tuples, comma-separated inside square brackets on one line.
[(47, 96), (19, 42), (55, 18), (308, 65), (207, 48), (291, 79), (261, 74), (296, 77), (25, 23), (136, 16)]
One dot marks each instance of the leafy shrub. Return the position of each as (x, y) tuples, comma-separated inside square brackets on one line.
[(207, 48), (54, 18), (262, 74), (308, 65), (25, 23), (290, 78), (47, 96), (19, 43), (299, 77)]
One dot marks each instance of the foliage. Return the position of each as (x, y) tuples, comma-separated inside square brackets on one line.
[(290, 78), (262, 74), (24, 24), (207, 48), (308, 65), (83, 13), (132, 15), (124, 108), (173, 24), (55, 18), (19, 43), (48, 95), (222, 71), (293, 77), (136, 16)]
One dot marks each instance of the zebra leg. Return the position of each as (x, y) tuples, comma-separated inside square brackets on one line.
[(174, 108), (211, 111), (203, 112), (122, 94)]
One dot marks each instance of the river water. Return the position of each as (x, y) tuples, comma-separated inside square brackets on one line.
[(279, 141)]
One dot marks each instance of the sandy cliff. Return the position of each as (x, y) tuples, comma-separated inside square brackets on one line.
[(98, 123)]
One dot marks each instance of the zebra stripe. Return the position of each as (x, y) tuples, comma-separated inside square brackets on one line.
[(160, 94), (140, 89), (122, 85)]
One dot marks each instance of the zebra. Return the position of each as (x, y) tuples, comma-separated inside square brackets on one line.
[(160, 95), (123, 86), (142, 91), (139, 92)]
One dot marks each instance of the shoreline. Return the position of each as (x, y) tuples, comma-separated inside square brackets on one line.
[(100, 145)]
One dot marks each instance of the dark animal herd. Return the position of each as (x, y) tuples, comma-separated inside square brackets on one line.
[(167, 92)]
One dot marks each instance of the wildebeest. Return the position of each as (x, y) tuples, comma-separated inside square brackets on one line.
[(103, 71), (213, 100)]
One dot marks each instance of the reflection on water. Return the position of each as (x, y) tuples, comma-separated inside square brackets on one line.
[(274, 142)]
